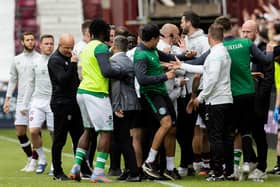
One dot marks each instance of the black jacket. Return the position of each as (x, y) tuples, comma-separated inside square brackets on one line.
[(264, 85), (64, 79)]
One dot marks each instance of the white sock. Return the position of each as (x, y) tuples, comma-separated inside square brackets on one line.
[(33, 162), (76, 166), (170, 163), (205, 165), (152, 155), (98, 171), (42, 157)]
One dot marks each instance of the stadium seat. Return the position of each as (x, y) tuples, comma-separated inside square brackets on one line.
[(28, 22), (26, 3)]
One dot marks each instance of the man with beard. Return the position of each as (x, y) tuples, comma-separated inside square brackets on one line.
[(263, 86), (38, 94), (191, 138), (19, 76)]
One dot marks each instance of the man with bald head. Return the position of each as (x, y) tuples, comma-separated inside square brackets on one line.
[(249, 30), (169, 39), (263, 87), (62, 67), (242, 52), (243, 90)]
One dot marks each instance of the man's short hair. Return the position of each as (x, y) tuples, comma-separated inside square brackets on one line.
[(122, 30), (193, 18), (113, 27), (149, 31), (216, 31), (26, 34), (85, 25), (46, 36), (98, 27), (120, 42), (225, 22)]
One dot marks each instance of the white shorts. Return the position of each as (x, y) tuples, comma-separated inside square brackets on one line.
[(19, 118), (40, 111), (199, 122), (96, 112)]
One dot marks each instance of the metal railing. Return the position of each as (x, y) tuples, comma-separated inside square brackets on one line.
[(146, 7)]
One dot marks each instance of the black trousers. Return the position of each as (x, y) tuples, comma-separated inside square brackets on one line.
[(67, 118), (220, 135), (262, 101), (185, 131), (243, 119), (122, 139)]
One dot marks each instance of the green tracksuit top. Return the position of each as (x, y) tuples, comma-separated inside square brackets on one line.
[(240, 73), (153, 69)]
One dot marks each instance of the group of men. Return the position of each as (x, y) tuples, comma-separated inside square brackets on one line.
[(90, 90)]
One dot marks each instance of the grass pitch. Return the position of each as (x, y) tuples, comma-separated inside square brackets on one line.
[(13, 159)]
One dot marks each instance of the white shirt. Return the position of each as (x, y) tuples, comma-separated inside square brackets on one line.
[(78, 48), (216, 73), (198, 41), (162, 45), (173, 85), (130, 54), (19, 72), (39, 84)]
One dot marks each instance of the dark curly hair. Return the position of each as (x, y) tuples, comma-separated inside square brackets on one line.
[(100, 29)]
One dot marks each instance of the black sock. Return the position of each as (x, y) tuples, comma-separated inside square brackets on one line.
[(25, 145), (197, 157), (35, 155), (206, 156)]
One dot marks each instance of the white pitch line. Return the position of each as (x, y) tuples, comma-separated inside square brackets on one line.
[(9, 139), (71, 156), (45, 149), (168, 183), (16, 178)]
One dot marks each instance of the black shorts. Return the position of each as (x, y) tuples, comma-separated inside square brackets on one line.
[(159, 106), (140, 120), (243, 113)]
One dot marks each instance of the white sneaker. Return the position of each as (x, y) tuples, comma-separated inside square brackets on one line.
[(245, 167), (257, 174), (183, 171), (32, 166), (253, 166), (245, 170), (236, 171), (168, 3), (27, 164)]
